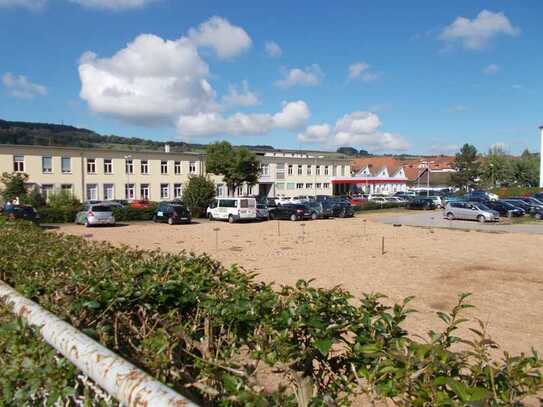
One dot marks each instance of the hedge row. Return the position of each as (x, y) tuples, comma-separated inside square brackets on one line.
[(33, 373), (515, 191), (371, 205), (128, 214), (222, 338), (57, 215)]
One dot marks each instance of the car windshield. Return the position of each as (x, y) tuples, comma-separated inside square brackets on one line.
[(261, 206), (101, 208), (482, 207)]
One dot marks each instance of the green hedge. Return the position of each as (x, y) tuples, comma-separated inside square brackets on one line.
[(128, 213), (57, 215), (371, 205), (224, 339), (515, 191)]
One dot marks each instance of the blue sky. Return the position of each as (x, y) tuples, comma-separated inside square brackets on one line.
[(387, 76)]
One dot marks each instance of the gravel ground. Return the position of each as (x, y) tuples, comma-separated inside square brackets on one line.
[(504, 271)]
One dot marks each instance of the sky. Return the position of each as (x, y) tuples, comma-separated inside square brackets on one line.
[(386, 76)]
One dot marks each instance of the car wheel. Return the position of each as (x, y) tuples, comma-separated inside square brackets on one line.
[(87, 224), (231, 219), (210, 217), (155, 219), (293, 218), (313, 216), (450, 216), (481, 219), (271, 216), (170, 221), (538, 216)]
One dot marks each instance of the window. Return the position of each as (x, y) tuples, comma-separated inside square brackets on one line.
[(129, 166), (67, 188), (299, 185), (290, 185), (228, 203), (47, 165), (91, 165), (164, 167), (164, 191), (109, 192), (19, 163), (342, 169), (108, 166), (280, 171), (309, 169), (92, 192), (129, 191), (318, 185), (192, 167), (177, 191), (318, 170), (264, 170), (309, 185), (280, 185), (66, 165), (46, 191), (177, 167), (145, 192), (326, 185), (334, 171), (289, 169), (249, 190), (299, 170), (325, 170), (144, 167), (220, 189)]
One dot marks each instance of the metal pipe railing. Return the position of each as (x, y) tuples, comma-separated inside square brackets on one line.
[(121, 379)]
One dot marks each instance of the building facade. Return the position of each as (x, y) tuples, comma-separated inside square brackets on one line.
[(102, 174)]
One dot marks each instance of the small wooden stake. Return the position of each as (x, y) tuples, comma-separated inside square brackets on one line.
[(383, 246), (216, 239)]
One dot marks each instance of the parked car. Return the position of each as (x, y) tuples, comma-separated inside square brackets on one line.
[(421, 203), (534, 202), (538, 196), (340, 208), (437, 201), (480, 196), (320, 210), (525, 204), (24, 212), (172, 213), (232, 209), (471, 211), (538, 214), (141, 204), (262, 212), (291, 212), (95, 214), (504, 208)]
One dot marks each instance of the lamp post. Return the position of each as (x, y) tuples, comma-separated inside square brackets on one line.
[(492, 175)]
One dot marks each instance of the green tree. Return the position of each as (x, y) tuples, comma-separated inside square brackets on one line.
[(526, 170), (467, 167), (36, 198), (63, 200), (347, 151), (497, 168), (198, 194), (14, 186), (237, 166)]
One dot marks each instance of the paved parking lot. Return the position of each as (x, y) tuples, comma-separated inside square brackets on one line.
[(435, 219)]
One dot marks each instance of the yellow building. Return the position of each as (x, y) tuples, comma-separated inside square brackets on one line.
[(103, 174)]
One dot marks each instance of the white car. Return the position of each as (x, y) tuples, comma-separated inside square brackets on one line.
[(232, 209)]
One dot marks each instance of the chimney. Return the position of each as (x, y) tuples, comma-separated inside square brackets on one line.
[(541, 158), (166, 148)]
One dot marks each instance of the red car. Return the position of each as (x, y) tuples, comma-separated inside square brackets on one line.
[(141, 204)]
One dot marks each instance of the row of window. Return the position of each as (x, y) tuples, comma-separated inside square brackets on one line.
[(300, 185), (299, 168), (66, 165), (167, 191)]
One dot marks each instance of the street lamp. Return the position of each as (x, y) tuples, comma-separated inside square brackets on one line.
[(492, 176)]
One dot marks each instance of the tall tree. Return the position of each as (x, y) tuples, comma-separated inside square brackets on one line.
[(526, 170), (198, 194), (467, 167), (14, 186), (237, 166), (497, 168)]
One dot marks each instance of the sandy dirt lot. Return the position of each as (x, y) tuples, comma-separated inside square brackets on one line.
[(503, 271)]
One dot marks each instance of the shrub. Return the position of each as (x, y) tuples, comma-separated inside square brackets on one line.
[(63, 200), (128, 213), (209, 331), (198, 195), (371, 205), (57, 215), (515, 191), (35, 198)]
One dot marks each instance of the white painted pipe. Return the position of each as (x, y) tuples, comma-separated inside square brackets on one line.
[(121, 379)]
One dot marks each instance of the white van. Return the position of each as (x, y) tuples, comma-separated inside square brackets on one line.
[(232, 209)]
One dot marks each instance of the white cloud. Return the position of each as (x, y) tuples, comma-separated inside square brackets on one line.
[(361, 70), (293, 115), (273, 49), (240, 96), (29, 4), (477, 33), (19, 86), (491, 69), (226, 39), (354, 129), (457, 109), (310, 76), (113, 4)]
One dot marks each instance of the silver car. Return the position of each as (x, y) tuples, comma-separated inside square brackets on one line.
[(470, 211), (95, 214), (262, 211)]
